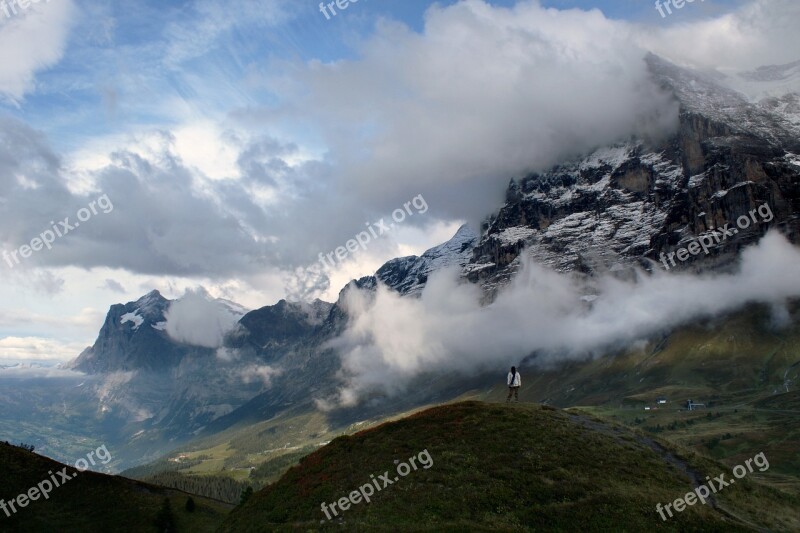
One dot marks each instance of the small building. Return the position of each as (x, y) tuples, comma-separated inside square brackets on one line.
[(661, 400), (691, 406)]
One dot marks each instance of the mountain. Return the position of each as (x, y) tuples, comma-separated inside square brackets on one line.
[(615, 209), (144, 391), (270, 328), (492, 467), (626, 204), (308, 364), (408, 275), (133, 338)]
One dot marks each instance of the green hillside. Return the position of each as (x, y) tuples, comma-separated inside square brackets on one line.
[(497, 467), (93, 502)]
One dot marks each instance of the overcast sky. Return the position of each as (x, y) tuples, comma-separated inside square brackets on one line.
[(234, 141)]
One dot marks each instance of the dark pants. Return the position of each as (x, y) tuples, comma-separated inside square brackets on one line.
[(515, 392)]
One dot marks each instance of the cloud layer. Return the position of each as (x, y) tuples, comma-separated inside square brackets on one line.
[(759, 33), (391, 339), (480, 95)]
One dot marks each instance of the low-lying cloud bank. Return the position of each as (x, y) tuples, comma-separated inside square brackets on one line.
[(200, 320), (25, 371), (391, 340)]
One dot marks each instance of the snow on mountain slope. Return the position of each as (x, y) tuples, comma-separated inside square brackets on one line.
[(773, 81), (132, 317), (623, 205), (711, 98), (775, 88), (408, 275), (593, 213)]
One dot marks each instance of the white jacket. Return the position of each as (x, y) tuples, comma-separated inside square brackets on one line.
[(517, 381)]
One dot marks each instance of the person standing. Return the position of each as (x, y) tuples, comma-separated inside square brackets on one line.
[(514, 383)]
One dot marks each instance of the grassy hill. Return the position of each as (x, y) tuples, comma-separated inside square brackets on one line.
[(93, 502), (497, 467)]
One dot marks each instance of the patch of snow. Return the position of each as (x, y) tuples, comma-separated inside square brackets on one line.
[(477, 267), (514, 235), (613, 156), (133, 317), (566, 197), (697, 180), (720, 194)]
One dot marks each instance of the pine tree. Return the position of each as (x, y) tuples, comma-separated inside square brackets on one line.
[(165, 521), (246, 494), (190, 506)]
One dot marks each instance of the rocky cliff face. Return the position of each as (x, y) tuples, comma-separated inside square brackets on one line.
[(626, 204)]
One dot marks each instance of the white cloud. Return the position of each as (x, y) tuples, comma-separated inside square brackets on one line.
[(37, 349), (25, 371), (201, 146), (199, 320), (84, 318), (482, 95), (263, 373), (30, 41), (391, 340), (761, 32)]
